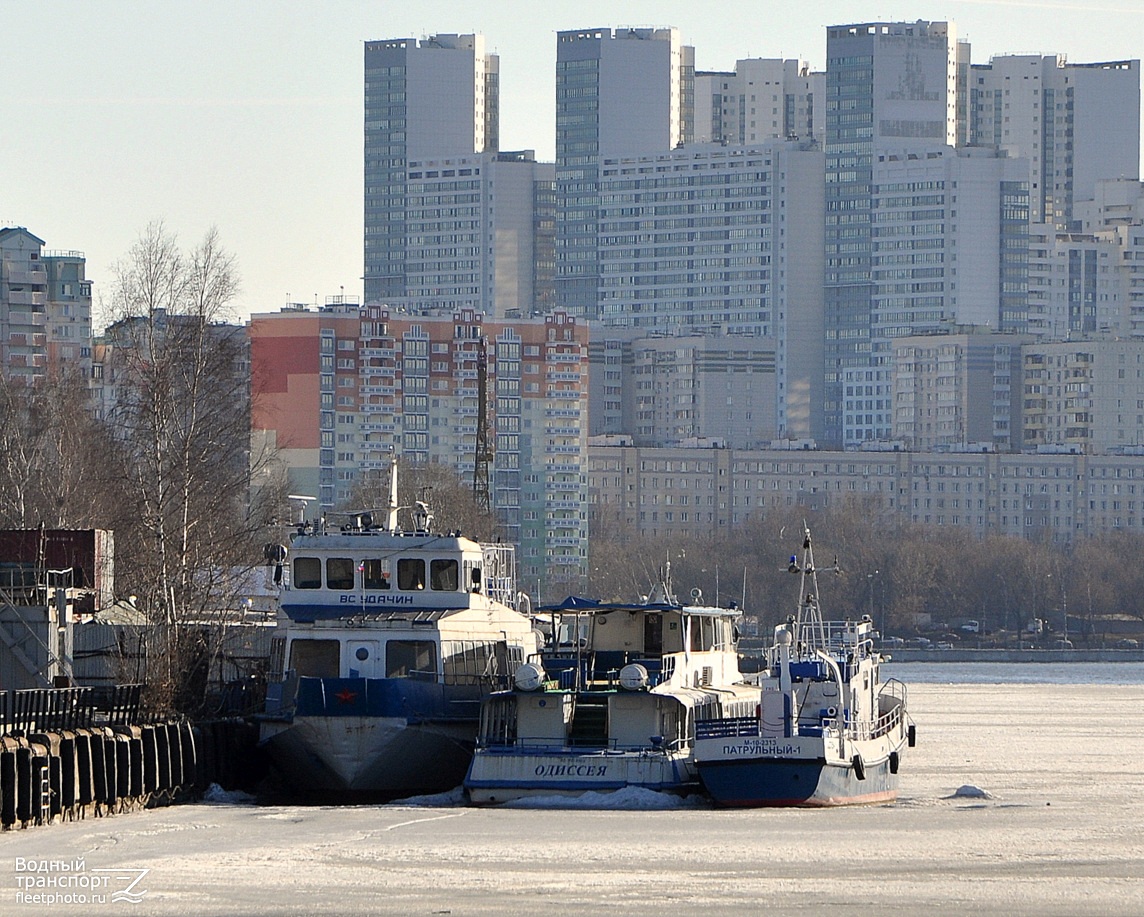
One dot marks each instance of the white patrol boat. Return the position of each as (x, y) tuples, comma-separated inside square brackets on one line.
[(612, 701), (387, 640), (828, 731)]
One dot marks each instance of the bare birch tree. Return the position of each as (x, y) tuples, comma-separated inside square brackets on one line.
[(54, 455), (181, 413)]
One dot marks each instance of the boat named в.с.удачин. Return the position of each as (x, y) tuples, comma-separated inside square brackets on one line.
[(827, 731), (386, 642)]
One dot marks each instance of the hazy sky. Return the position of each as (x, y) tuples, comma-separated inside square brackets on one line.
[(247, 114)]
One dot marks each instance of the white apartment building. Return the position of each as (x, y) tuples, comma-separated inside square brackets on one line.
[(948, 246), (1116, 215), (1086, 395), (889, 86), (761, 99), (1076, 284), (951, 391), (471, 233), (726, 241), (711, 492), (45, 309), (23, 299), (1091, 282), (670, 389), (1074, 124)]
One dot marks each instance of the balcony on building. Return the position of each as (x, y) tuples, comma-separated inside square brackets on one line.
[(28, 298), (27, 278)]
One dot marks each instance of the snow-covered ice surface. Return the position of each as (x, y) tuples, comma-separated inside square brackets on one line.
[(1019, 799)]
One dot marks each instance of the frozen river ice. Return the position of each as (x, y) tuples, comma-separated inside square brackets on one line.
[(1058, 829)]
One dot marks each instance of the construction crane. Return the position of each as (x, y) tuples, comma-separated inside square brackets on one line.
[(484, 454)]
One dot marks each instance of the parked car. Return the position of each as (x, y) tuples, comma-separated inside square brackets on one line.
[(1064, 645), (1127, 643), (971, 627)]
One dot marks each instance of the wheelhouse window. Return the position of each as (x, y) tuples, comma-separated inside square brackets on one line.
[(443, 575), (472, 573), (340, 573), (411, 659), (315, 658), (473, 663), (707, 629), (410, 573), (307, 573), (702, 634), (375, 574)]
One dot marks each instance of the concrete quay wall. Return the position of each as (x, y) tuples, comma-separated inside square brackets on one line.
[(1014, 655)]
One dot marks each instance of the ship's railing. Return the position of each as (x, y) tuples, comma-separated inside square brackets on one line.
[(499, 562), (889, 721), (540, 745), (871, 729), (893, 688), (892, 695), (835, 637), (838, 639), (728, 728)]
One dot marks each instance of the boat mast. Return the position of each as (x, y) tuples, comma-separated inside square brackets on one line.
[(809, 612), (391, 524)]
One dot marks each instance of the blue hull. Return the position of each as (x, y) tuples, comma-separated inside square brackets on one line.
[(759, 782)]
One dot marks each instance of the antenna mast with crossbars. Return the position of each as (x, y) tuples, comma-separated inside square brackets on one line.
[(484, 454)]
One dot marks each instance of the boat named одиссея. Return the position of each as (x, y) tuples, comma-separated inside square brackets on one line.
[(612, 700)]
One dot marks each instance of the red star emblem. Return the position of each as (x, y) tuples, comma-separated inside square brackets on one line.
[(346, 696)]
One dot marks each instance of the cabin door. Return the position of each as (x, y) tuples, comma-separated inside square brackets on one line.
[(364, 659)]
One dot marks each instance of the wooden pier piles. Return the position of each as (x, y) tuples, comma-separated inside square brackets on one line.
[(63, 758)]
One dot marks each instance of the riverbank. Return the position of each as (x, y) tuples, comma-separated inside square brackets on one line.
[(901, 654)]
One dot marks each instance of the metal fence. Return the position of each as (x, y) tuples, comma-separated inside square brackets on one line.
[(55, 709)]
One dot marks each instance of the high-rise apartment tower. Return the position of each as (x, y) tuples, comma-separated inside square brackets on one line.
[(423, 100), (888, 85), (618, 93)]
